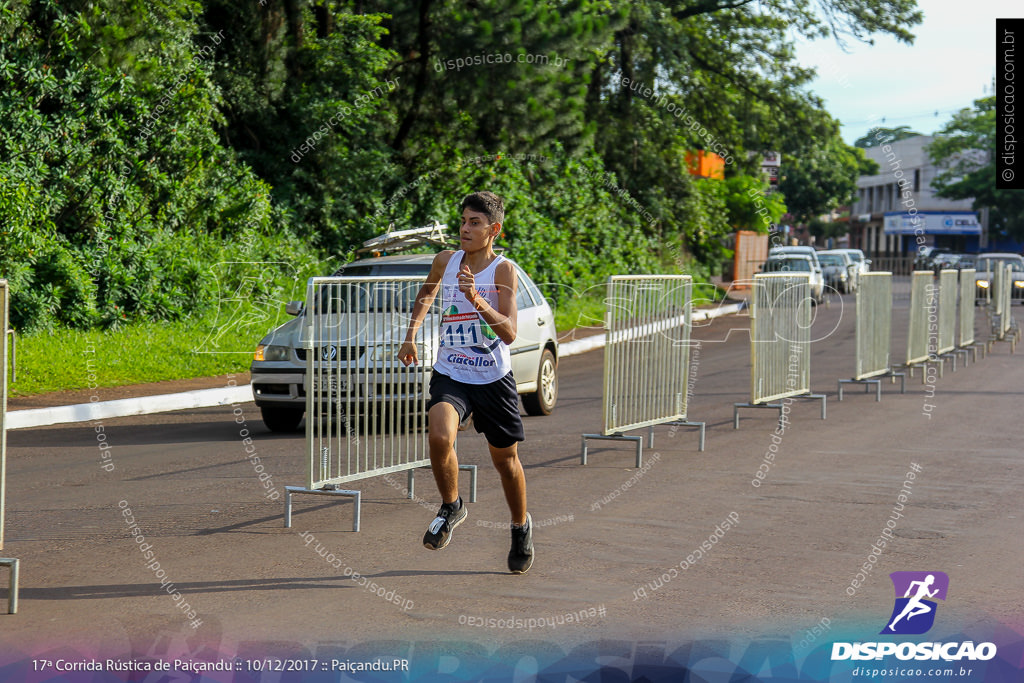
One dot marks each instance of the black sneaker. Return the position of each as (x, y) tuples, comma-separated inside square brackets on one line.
[(439, 533), (520, 556)]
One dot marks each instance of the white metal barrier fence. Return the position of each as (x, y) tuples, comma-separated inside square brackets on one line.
[(1000, 283), (948, 292), (917, 333), (1002, 302), (874, 332), (967, 306), (366, 413), (965, 344), (12, 563), (780, 339), (646, 357)]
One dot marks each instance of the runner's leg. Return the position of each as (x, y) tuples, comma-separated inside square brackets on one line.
[(444, 425), (513, 481)]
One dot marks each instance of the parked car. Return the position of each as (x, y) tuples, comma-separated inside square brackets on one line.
[(809, 252), (951, 261), (798, 263), (857, 256), (985, 265), (925, 257), (841, 273), (279, 364), (967, 261)]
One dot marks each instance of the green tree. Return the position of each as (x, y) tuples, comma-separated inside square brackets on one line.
[(963, 149), (117, 196), (719, 76), (825, 229), (821, 179), (144, 144), (309, 105), (875, 136), (750, 206)]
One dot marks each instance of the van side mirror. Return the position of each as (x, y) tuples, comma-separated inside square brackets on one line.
[(294, 307)]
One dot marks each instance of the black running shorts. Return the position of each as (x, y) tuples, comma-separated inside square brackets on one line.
[(495, 406)]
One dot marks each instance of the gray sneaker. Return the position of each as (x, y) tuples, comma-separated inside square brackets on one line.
[(439, 533), (520, 556)]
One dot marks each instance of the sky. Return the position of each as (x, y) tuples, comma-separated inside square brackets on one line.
[(950, 64)]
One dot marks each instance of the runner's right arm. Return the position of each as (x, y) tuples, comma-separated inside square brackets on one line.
[(407, 354)]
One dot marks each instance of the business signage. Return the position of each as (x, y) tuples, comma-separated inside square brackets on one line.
[(932, 223)]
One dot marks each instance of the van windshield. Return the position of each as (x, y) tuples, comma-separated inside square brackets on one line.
[(783, 265), (380, 296)]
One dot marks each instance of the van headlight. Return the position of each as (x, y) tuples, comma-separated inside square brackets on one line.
[(271, 352), (982, 283), (1019, 284), (385, 353)]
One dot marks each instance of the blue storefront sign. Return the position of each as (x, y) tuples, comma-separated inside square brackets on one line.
[(932, 223)]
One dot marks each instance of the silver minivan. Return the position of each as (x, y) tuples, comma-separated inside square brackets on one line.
[(279, 365), (797, 263)]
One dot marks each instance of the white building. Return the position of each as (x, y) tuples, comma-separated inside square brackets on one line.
[(899, 203)]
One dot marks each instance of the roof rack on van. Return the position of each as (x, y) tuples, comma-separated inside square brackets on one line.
[(394, 241)]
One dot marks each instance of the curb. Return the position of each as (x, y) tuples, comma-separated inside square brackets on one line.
[(579, 346), (207, 398), (124, 407)]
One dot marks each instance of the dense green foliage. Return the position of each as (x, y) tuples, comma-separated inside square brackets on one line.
[(118, 200), (824, 178), (157, 160), (964, 148), (874, 137)]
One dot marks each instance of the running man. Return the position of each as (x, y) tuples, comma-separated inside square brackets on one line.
[(473, 371), (914, 606)]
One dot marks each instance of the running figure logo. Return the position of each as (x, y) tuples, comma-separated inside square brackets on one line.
[(913, 613)]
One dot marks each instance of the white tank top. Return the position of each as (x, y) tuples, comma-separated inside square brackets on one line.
[(470, 351)]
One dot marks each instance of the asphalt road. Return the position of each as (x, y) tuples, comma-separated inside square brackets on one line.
[(612, 561)]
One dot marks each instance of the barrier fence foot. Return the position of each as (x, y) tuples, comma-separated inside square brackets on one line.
[(903, 380), (328, 490), (616, 437), (287, 508), (687, 423), (924, 370), (951, 355), (12, 595), (965, 353), (820, 397), (867, 386), (472, 481), (736, 411)]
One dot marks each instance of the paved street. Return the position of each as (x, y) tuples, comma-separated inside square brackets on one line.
[(615, 545)]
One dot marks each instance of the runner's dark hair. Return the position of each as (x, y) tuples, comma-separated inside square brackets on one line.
[(487, 203)]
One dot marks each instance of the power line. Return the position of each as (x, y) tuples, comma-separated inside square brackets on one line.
[(889, 118)]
